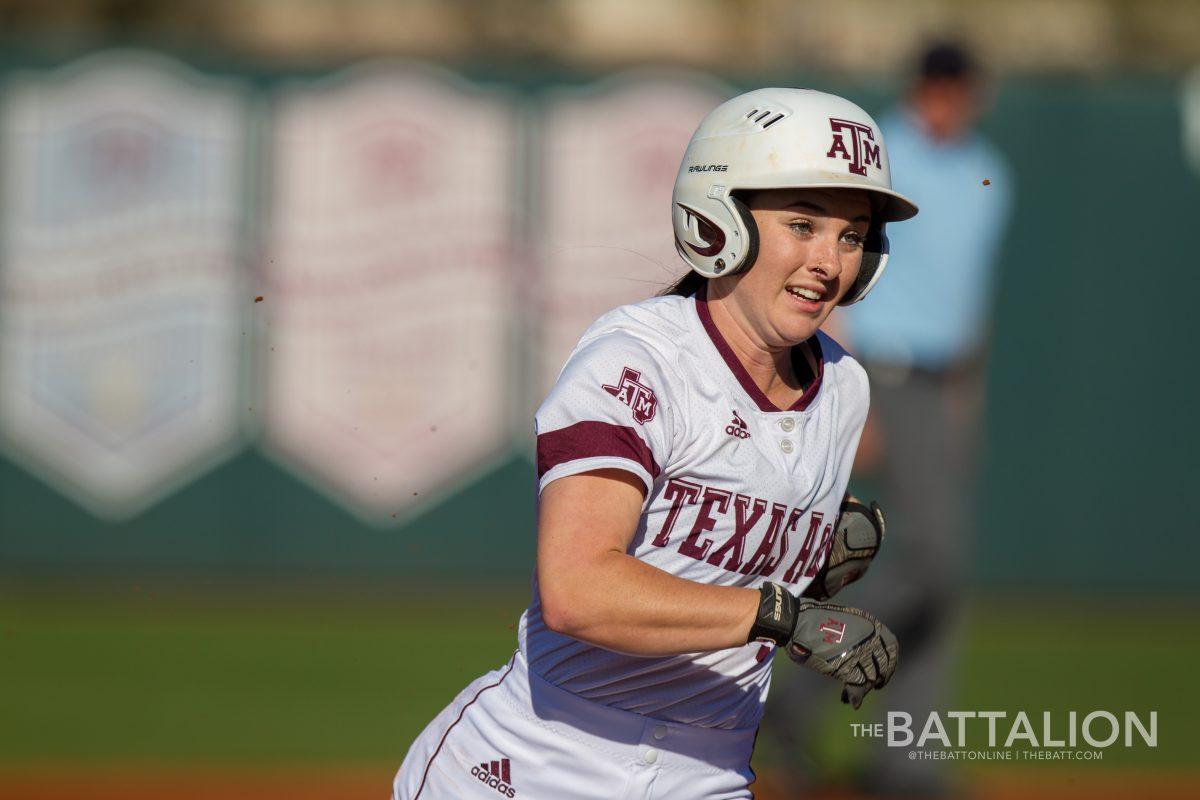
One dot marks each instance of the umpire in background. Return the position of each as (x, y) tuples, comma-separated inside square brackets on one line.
[(922, 337)]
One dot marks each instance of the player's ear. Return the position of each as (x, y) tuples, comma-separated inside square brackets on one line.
[(743, 202)]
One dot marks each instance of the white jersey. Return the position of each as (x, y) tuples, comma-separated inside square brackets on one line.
[(738, 491)]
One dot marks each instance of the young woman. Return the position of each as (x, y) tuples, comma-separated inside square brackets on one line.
[(693, 460)]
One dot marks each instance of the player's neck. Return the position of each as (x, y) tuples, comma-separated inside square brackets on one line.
[(769, 367)]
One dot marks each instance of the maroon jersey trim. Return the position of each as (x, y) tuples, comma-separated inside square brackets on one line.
[(743, 377), (592, 439), (457, 720)]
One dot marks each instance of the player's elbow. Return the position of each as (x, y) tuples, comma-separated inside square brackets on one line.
[(567, 589), (557, 616), (585, 524), (562, 609)]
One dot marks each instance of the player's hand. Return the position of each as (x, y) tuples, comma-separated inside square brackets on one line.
[(859, 534), (846, 644)]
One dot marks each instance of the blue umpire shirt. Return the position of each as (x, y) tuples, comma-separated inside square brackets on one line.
[(931, 307)]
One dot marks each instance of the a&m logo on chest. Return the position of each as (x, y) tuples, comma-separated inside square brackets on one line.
[(638, 396)]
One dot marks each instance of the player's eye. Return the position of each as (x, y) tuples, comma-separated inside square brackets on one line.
[(854, 238), (801, 226)]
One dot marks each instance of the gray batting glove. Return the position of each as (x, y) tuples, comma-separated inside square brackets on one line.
[(846, 644), (859, 534)]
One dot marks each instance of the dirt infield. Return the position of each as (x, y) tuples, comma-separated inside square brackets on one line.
[(373, 782), (1041, 784), (104, 782)]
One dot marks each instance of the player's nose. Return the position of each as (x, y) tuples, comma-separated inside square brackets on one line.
[(825, 258)]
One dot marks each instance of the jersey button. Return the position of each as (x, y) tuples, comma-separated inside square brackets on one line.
[(786, 445), (650, 756), (788, 424), (660, 731)]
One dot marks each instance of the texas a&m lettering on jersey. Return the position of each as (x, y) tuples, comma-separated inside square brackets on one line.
[(776, 532)]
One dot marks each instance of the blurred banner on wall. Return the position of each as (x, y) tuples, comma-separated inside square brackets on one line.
[(610, 152), (387, 274), (123, 272), (348, 290)]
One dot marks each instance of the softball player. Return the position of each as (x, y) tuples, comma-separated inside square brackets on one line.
[(693, 459)]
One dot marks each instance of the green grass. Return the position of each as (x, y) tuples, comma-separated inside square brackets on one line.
[(256, 680), (1038, 656), (229, 677), (1058, 656)]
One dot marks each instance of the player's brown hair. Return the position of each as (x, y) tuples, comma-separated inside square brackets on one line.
[(687, 285)]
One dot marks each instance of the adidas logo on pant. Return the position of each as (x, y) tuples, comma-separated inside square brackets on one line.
[(496, 775)]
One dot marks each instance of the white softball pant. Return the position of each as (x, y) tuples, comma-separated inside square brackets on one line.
[(510, 734)]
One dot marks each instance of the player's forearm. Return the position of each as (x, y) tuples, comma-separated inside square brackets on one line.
[(618, 602)]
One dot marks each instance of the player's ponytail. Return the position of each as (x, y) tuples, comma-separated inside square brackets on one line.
[(686, 286)]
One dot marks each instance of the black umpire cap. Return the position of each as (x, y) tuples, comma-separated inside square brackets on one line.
[(947, 61)]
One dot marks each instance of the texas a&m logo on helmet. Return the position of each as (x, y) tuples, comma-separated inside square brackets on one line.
[(863, 150), (638, 396)]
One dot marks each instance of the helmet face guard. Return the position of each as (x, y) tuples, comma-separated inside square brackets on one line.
[(779, 139)]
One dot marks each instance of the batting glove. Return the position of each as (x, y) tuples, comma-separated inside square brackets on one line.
[(859, 534), (847, 644)]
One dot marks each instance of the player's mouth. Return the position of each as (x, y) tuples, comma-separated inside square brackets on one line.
[(808, 298)]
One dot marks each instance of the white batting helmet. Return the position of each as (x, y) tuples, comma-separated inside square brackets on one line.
[(778, 139)]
